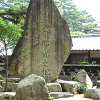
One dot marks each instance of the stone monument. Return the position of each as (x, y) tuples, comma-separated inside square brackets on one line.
[(45, 43)]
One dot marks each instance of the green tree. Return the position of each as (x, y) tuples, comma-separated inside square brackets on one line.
[(77, 20), (81, 21), (8, 32), (76, 33), (14, 11)]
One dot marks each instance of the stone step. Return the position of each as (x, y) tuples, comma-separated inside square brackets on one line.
[(57, 95), (7, 95), (11, 87), (54, 87), (14, 80), (69, 86)]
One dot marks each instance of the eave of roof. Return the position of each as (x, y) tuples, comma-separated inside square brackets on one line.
[(85, 35), (86, 42)]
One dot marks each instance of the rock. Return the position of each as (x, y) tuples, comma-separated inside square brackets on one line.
[(54, 87), (14, 80), (11, 87), (69, 86), (32, 88), (62, 72), (45, 44), (1, 77), (2, 70), (83, 78), (98, 84), (1, 89), (7, 95), (95, 87), (1, 81), (60, 94), (92, 93)]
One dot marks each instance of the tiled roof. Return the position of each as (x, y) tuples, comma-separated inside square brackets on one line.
[(86, 42), (80, 42)]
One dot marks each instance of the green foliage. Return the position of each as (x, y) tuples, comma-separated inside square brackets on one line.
[(14, 10), (22, 1), (49, 98), (85, 62), (81, 88), (9, 32), (76, 33), (78, 21), (93, 62), (73, 77)]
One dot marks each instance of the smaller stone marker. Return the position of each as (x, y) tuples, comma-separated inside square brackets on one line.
[(83, 78)]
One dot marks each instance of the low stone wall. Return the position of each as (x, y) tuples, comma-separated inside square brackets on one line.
[(69, 70), (2, 64)]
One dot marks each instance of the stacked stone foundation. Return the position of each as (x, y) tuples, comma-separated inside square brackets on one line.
[(68, 71)]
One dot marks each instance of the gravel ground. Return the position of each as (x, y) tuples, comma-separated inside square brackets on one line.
[(73, 99), (76, 97)]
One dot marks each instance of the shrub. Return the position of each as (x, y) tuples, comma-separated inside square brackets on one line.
[(73, 77), (49, 98), (81, 88), (85, 62), (93, 62)]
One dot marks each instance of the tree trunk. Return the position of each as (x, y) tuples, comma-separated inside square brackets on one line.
[(6, 63)]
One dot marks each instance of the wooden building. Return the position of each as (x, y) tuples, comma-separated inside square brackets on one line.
[(85, 48)]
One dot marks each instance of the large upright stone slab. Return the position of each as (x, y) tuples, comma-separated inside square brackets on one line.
[(45, 44)]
